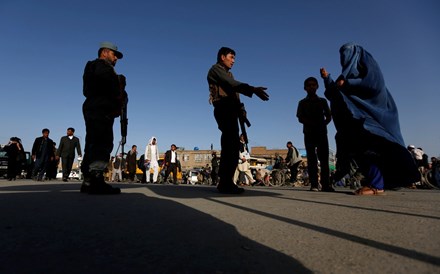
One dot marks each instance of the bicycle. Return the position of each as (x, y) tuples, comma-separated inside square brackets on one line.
[(427, 180)]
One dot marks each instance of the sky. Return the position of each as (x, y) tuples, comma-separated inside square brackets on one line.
[(169, 46)]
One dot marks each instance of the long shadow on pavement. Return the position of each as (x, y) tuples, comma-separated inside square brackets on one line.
[(196, 192), (361, 208), (55, 229), (411, 254)]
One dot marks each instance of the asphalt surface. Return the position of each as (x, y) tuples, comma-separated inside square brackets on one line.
[(49, 227)]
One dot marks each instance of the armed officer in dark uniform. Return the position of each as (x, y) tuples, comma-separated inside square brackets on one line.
[(224, 95), (103, 94)]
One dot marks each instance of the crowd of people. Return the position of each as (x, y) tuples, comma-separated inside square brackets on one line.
[(289, 170), (45, 156), (368, 139)]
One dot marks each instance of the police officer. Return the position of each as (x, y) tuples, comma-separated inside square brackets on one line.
[(224, 95), (101, 87)]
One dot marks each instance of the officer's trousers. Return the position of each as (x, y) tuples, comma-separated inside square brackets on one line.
[(99, 141), (226, 115)]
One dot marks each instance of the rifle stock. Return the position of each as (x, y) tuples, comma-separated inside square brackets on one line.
[(123, 117), (242, 117), (124, 122)]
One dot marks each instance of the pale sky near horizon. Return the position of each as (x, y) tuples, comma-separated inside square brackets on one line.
[(169, 46)]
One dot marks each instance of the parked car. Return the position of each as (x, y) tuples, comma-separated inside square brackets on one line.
[(198, 176), (3, 163)]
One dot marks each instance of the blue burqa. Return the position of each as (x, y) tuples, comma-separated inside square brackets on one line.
[(366, 118), (366, 95)]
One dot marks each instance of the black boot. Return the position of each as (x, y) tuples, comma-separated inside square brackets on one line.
[(98, 186), (85, 186), (229, 188)]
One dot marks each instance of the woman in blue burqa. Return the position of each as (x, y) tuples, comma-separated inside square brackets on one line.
[(368, 138)]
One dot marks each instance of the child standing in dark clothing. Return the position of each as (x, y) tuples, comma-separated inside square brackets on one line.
[(314, 113)]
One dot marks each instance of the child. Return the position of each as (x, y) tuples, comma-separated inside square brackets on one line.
[(314, 113)]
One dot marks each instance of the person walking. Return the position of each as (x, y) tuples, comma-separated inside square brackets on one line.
[(225, 97), (42, 153), (171, 164), (131, 161), (152, 159), (104, 99), (244, 166), (117, 168), (16, 156), (66, 151), (215, 164), (293, 160), (52, 165), (109, 171)]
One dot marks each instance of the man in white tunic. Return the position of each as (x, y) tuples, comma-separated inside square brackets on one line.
[(151, 159)]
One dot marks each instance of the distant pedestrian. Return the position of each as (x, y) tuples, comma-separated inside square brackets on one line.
[(215, 164), (42, 153), (259, 175), (435, 171), (16, 156), (109, 171), (243, 167), (171, 164), (66, 151), (131, 161), (152, 159), (278, 162), (52, 166), (293, 160), (417, 155), (117, 168)]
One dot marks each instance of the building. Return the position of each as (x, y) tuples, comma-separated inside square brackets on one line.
[(269, 154), (190, 159), (200, 158)]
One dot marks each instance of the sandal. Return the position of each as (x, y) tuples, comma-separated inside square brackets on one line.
[(366, 190)]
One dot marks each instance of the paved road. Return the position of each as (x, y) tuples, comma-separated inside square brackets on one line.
[(50, 227)]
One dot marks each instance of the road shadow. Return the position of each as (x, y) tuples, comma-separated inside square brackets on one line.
[(409, 253), (189, 191), (55, 229), (211, 194), (352, 206)]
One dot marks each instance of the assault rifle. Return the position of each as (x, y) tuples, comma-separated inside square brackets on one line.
[(123, 117), (242, 117)]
